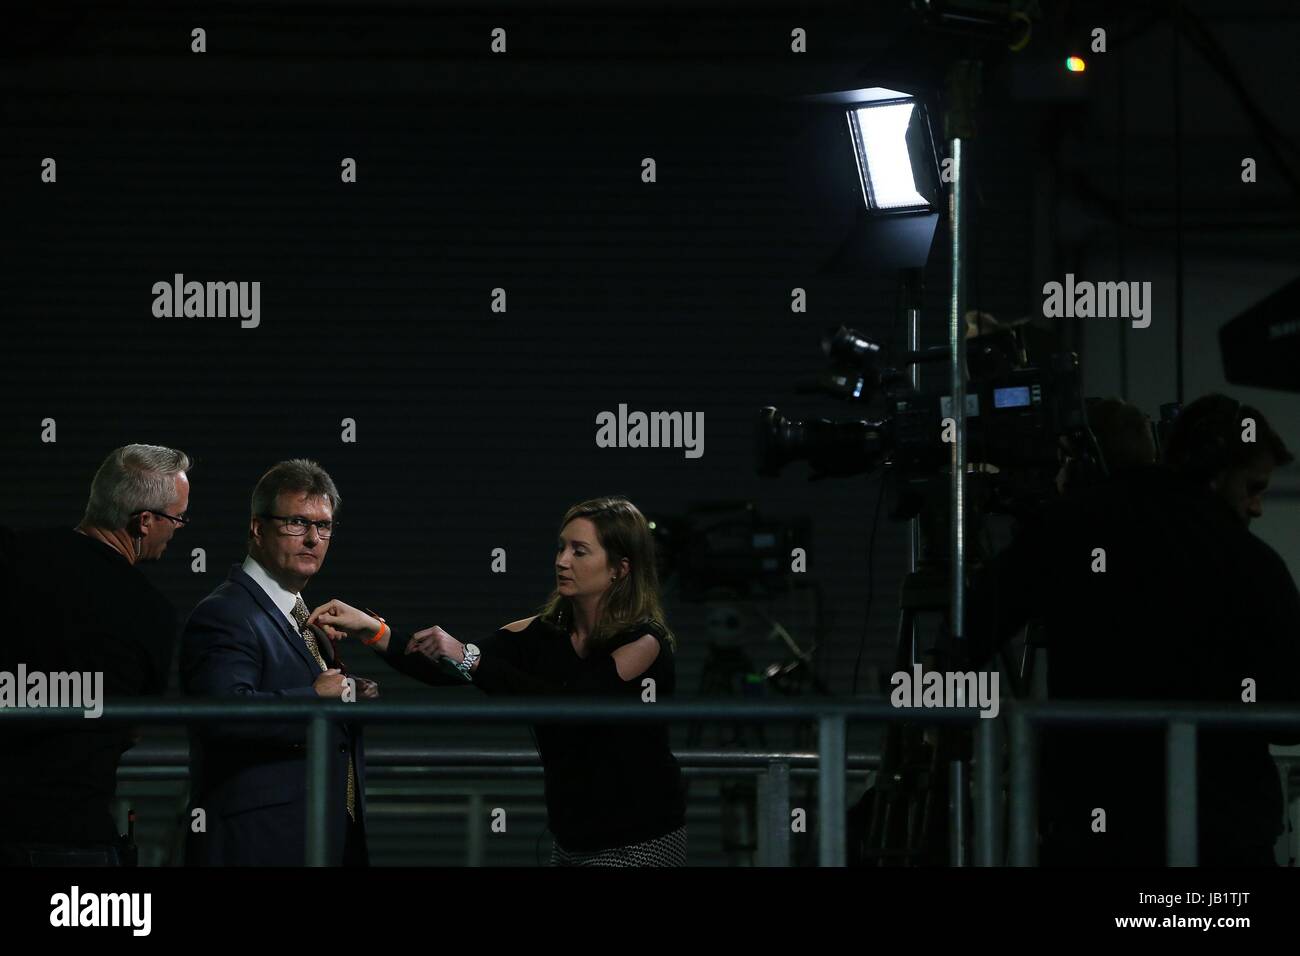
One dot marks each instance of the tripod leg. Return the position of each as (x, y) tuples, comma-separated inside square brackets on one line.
[(884, 839)]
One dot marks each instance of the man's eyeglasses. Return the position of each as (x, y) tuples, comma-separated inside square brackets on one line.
[(181, 519), (298, 525)]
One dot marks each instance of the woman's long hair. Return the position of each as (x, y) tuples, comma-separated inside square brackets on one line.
[(634, 597)]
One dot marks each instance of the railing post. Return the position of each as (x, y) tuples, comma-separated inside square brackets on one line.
[(1024, 799), (988, 794), (1180, 793), (774, 811), (956, 813), (474, 823), (318, 741), (830, 789)]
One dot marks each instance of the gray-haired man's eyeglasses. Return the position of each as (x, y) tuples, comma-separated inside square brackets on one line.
[(181, 519)]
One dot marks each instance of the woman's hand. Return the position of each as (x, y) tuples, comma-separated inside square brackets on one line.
[(434, 642), (339, 620)]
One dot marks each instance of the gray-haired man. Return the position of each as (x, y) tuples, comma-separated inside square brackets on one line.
[(89, 612)]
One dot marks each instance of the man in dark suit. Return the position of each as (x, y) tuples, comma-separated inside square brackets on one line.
[(92, 612), (249, 639)]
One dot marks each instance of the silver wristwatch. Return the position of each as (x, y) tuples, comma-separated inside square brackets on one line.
[(471, 655)]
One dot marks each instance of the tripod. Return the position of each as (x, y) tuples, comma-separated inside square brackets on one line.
[(908, 825)]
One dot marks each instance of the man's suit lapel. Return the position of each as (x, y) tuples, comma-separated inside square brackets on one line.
[(239, 576)]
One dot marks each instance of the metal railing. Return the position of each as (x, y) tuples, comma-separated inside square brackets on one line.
[(831, 714), (773, 769), (1181, 722)]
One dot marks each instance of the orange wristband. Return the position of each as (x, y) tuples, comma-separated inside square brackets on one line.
[(383, 629)]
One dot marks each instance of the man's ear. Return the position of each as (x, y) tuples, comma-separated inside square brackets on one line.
[(254, 531), (137, 526)]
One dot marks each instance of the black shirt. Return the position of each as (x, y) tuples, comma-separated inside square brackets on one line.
[(607, 785), (1189, 606), (83, 608)]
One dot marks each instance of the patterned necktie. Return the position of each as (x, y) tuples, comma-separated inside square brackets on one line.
[(309, 638)]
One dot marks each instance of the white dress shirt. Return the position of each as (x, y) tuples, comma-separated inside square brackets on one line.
[(284, 600)]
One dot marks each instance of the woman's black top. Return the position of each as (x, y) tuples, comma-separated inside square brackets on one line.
[(608, 784)]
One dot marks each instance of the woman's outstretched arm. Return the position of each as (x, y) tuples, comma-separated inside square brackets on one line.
[(503, 666)]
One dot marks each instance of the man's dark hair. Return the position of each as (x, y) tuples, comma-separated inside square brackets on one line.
[(300, 475), (1206, 438)]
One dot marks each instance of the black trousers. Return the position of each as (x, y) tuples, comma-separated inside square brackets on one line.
[(355, 853)]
